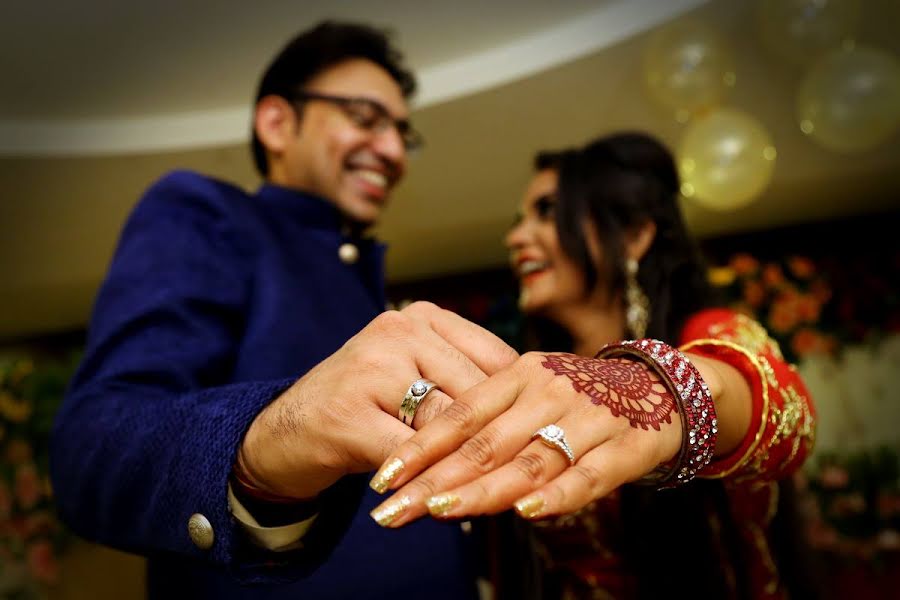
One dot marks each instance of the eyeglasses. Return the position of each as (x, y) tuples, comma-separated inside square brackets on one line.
[(369, 115)]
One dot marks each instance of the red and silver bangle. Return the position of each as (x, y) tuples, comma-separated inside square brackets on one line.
[(693, 402)]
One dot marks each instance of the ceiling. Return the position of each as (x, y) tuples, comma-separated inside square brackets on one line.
[(101, 98)]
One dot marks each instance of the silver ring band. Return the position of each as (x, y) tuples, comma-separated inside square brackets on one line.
[(553, 435), (414, 396)]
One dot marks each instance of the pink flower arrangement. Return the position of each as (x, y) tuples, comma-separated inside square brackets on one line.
[(31, 536)]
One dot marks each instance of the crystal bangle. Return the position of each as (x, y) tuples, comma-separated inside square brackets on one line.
[(693, 402)]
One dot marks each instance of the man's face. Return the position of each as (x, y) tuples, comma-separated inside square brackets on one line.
[(335, 157)]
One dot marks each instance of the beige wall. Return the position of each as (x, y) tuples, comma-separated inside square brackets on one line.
[(91, 572)]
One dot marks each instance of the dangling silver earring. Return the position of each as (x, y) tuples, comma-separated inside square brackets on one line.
[(637, 305)]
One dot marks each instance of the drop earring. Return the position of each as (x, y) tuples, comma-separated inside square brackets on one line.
[(637, 305)]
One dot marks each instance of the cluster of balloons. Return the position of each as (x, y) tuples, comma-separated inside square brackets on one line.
[(847, 101), (849, 98), (726, 156)]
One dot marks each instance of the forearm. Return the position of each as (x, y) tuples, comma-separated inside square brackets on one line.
[(152, 466), (732, 397), (781, 427)]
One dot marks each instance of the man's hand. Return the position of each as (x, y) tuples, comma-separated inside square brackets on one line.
[(342, 416)]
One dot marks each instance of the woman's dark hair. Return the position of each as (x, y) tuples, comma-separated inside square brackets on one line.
[(319, 48), (618, 183)]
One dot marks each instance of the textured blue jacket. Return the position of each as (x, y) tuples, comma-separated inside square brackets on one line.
[(215, 302)]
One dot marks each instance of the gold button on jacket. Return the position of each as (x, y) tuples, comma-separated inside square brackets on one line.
[(348, 253), (201, 531)]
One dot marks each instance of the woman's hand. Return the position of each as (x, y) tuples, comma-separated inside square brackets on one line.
[(479, 455)]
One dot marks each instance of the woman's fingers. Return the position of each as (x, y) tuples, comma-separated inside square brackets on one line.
[(538, 483), (596, 474), (478, 457), (491, 459), (538, 463), (467, 417)]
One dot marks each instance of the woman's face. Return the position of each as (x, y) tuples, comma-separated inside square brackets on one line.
[(548, 279)]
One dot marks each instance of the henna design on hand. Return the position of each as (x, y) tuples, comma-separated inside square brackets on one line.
[(626, 387)]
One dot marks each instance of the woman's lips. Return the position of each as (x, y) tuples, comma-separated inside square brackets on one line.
[(530, 269), (531, 277)]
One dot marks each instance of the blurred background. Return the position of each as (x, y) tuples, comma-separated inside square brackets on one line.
[(783, 114)]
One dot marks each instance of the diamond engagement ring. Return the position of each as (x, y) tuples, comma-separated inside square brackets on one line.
[(553, 436), (414, 396)]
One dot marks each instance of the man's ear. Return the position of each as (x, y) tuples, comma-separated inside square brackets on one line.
[(275, 123), (639, 239)]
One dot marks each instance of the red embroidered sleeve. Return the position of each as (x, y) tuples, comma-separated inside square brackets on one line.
[(782, 429)]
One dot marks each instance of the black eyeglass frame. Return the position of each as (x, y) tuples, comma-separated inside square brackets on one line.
[(376, 118)]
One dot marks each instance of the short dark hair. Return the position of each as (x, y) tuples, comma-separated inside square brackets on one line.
[(319, 48)]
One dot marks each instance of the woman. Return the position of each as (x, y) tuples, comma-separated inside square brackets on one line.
[(603, 255)]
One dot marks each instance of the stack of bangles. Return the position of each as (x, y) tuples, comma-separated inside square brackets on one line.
[(693, 402)]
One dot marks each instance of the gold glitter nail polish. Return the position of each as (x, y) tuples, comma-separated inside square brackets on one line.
[(530, 507), (388, 512), (441, 504), (386, 474)]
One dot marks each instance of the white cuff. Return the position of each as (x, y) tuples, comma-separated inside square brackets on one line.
[(276, 539)]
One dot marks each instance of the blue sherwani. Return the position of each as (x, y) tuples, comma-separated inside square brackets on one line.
[(215, 302)]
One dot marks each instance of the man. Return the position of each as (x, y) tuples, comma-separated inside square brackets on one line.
[(187, 435)]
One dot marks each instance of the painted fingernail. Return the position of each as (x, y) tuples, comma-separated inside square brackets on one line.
[(441, 504), (530, 507), (388, 512), (386, 475)]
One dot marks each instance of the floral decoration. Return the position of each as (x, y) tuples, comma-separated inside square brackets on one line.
[(838, 319), (31, 535), (787, 296)]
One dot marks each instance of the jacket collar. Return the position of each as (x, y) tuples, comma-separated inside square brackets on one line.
[(313, 211)]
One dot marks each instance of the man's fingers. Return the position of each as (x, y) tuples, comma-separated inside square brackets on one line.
[(444, 363), (434, 404), (380, 437), (485, 349)]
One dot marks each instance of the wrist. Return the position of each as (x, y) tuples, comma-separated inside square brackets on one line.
[(247, 485), (269, 513), (694, 402), (278, 458)]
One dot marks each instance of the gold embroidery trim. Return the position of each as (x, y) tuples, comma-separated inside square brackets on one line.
[(796, 421), (768, 370), (774, 492), (762, 545), (764, 418), (748, 333)]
